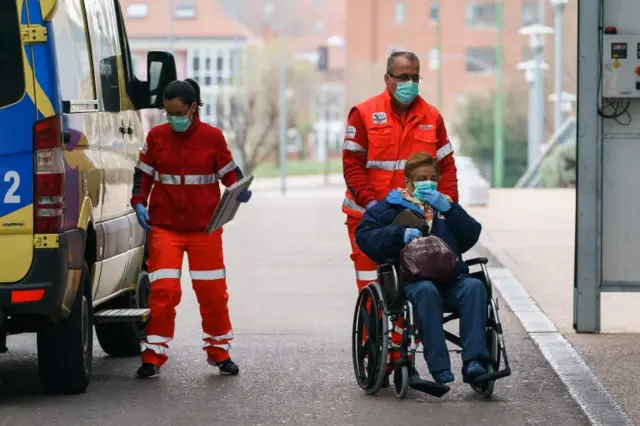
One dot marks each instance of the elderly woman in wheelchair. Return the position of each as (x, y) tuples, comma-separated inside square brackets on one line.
[(382, 238)]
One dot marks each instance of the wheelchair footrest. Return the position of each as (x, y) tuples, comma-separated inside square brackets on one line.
[(431, 388), (493, 376)]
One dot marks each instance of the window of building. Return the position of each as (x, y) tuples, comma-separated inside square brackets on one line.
[(319, 4), (434, 11), (319, 26), (400, 11), (137, 10), (530, 13), (185, 11), (481, 15), (480, 60)]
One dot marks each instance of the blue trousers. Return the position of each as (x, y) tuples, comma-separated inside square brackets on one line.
[(468, 297)]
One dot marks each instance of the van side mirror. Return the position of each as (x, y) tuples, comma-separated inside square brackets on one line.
[(161, 70)]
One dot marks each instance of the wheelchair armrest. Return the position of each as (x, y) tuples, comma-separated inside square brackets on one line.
[(477, 261), (387, 262)]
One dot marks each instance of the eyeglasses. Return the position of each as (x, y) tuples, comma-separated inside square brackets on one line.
[(402, 78)]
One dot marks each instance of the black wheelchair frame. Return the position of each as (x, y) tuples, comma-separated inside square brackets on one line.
[(385, 297)]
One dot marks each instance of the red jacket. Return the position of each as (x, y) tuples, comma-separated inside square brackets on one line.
[(184, 170), (378, 142)]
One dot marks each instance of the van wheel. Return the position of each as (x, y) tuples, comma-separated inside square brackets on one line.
[(65, 349), (122, 339)]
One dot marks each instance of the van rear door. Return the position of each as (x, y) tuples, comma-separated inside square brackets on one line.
[(17, 116)]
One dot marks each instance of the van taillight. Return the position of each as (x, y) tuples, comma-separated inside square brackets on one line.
[(49, 164)]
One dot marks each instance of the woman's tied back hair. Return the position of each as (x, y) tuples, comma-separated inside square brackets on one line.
[(417, 160), (187, 90)]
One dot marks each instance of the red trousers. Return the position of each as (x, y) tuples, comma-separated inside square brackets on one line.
[(366, 269), (206, 267)]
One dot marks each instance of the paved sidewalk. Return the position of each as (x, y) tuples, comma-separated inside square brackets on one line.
[(531, 232)]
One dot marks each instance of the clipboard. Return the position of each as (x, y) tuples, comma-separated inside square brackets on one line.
[(228, 206)]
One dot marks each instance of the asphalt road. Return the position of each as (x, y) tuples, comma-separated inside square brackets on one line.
[(292, 294)]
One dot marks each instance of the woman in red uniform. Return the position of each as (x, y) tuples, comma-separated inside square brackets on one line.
[(183, 161)]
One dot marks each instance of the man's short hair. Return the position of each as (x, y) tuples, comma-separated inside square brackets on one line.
[(419, 159), (412, 57)]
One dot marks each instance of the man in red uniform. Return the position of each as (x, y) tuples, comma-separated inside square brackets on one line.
[(382, 132), (184, 161)]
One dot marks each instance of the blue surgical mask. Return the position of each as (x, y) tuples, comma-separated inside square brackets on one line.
[(424, 185), (179, 124), (406, 92)]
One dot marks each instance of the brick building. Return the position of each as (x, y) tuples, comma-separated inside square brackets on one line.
[(375, 27)]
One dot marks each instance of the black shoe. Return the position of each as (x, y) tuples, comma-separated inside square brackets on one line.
[(228, 368), (147, 370)]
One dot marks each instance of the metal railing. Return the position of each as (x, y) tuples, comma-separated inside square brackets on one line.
[(566, 132)]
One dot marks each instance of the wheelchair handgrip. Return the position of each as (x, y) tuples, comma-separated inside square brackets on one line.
[(477, 261)]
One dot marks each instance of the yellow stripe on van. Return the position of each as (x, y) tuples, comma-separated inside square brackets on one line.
[(16, 247), (48, 9), (39, 97)]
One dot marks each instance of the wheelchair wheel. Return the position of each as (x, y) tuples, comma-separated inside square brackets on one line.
[(370, 340), (486, 389), (401, 381)]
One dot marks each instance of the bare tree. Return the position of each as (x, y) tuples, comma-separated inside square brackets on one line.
[(252, 120)]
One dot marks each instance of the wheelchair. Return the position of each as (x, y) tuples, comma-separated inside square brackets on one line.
[(382, 306)]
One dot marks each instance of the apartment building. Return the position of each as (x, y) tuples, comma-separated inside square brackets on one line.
[(307, 25), (206, 43), (469, 37)]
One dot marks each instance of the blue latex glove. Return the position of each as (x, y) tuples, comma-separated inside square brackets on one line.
[(411, 234), (435, 200), (371, 204), (244, 196), (143, 216)]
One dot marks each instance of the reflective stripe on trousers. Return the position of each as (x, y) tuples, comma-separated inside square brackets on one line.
[(216, 274), (164, 274)]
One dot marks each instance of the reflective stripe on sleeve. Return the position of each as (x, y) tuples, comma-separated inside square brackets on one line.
[(145, 168), (216, 274), (164, 274), (387, 165), (168, 179), (200, 179), (444, 151), (226, 169), (226, 336), (366, 275), (353, 146), (348, 203)]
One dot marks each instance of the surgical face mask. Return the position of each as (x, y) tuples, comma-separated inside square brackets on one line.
[(406, 92), (179, 124), (424, 185)]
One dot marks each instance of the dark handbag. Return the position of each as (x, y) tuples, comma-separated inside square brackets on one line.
[(429, 258)]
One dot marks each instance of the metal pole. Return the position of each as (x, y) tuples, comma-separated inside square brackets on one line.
[(538, 94), (283, 116), (440, 82), (558, 52), (170, 27), (498, 142), (326, 136), (531, 119), (404, 25)]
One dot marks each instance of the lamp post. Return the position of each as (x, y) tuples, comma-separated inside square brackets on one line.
[(498, 133), (535, 68), (558, 6)]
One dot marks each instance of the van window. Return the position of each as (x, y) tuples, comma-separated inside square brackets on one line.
[(72, 53), (106, 50), (12, 87)]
